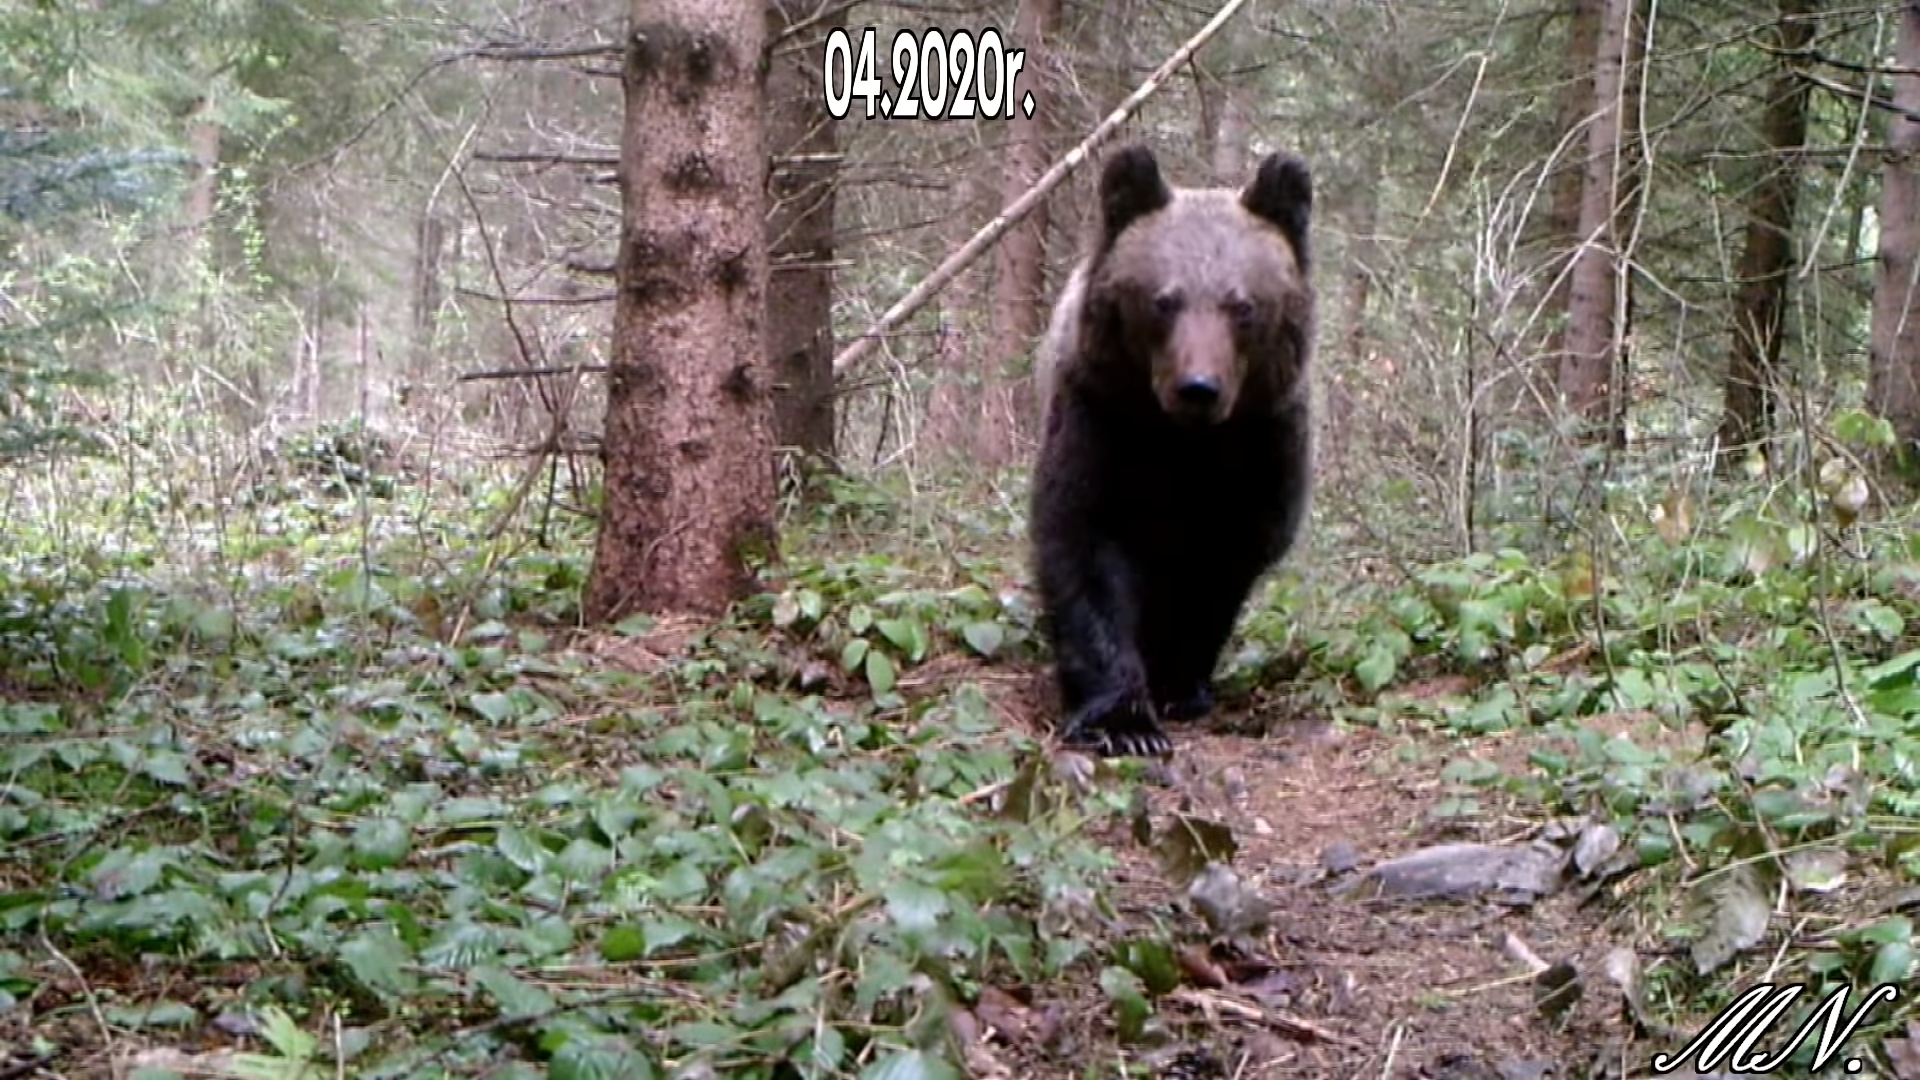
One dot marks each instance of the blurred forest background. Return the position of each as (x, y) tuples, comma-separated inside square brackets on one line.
[(305, 322)]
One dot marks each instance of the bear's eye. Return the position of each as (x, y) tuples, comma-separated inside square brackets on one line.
[(1166, 305), (1240, 310)]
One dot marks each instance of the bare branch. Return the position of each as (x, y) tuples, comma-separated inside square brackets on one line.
[(500, 50), (533, 372), (528, 157)]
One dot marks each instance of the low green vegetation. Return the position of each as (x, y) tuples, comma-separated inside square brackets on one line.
[(317, 758)]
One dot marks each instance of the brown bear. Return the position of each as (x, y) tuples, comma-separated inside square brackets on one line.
[(1176, 462)]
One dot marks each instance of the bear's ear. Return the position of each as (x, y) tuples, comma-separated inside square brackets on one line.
[(1130, 188), (1282, 192)]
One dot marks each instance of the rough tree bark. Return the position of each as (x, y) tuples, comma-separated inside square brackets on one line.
[(1020, 262), (689, 499), (1759, 313), (803, 140), (1586, 370), (1569, 175), (1893, 384)]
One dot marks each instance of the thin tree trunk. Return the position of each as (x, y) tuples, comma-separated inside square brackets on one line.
[(1893, 385), (203, 188), (1224, 123), (1569, 174), (947, 422), (1361, 366), (1587, 367), (1633, 180), (689, 429), (1759, 314), (429, 252), (1020, 277), (803, 140)]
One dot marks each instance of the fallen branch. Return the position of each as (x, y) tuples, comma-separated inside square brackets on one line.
[(1214, 1002), (990, 234)]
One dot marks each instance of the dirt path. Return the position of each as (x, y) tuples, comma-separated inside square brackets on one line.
[(1399, 989)]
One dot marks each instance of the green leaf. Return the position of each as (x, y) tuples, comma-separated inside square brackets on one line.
[(166, 767), (1131, 1009), (1897, 929), (1153, 962), (599, 1058), (378, 959), (880, 673), (855, 652), (381, 842), (471, 809), (124, 873), (906, 636), (984, 638), (1376, 670), (811, 604), (916, 908), (516, 997), (1892, 963), (910, 1065), (494, 708), (286, 1036), (1882, 620), (1857, 427), (582, 860), (1904, 668), (522, 849), (664, 933), (822, 1054), (859, 618), (623, 944)]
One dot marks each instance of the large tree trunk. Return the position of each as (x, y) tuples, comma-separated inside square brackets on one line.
[(1893, 386), (1596, 296), (1768, 255), (802, 138), (1020, 276), (689, 431)]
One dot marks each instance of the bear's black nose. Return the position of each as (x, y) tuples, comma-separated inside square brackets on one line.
[(1199, 393)]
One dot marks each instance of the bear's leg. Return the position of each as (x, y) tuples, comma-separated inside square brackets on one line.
[(1093, 608), (1183, 637)]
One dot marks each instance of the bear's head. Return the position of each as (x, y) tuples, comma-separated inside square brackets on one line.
[(1206, 291)]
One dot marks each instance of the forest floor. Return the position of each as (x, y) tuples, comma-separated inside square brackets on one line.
[(398, 820), (1344, 982), (1353, 984)]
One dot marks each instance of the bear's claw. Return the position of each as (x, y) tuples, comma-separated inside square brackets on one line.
[(1128, 731)]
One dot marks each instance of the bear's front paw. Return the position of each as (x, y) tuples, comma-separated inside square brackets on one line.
[(1192, 704), (1125, 730)]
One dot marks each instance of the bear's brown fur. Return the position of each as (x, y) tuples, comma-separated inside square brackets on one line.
[(1176, 464)]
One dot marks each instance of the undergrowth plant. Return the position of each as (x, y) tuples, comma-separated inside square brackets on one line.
[(342, 764), (1729, 674)]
